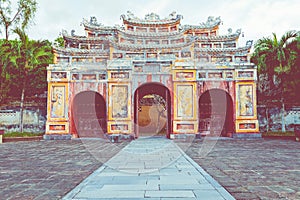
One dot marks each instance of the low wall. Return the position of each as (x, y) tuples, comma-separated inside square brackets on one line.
[(270, 118), (33, 119)]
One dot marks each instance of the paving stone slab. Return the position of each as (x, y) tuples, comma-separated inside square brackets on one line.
[(171, 186), (178, 198), (109, 194), (248, 169), (170, 193), (130, 187), (124, 199), (208, 195), (182, 180), (169, 178)]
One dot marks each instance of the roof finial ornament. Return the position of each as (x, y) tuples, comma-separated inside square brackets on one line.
[(130, 15), (73, 32), (218, 20), (173, 15), (249, 43), (152, 17), (93, 20), (212, 21), (239, 31)]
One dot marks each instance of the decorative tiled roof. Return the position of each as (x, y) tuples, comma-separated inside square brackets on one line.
[(151, 19), (127, 40), (171, 38), (76, 38), (229, 65), (128, 46), (88, 67), (149, 34), (144, 35), (94, 25), (220, 38), (76, 51), (209, 24), (243, 50)]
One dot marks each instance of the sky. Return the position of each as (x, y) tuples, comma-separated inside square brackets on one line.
[(256, 18)]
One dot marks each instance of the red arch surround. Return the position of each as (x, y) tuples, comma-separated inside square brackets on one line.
[(216, 113), (89, 114), (148, 89)]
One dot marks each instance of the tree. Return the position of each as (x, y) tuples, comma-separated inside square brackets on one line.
[(59, 42), (20, 18), (6, 63), (8, 69), (31, 61), (274, 59), (293, 83)]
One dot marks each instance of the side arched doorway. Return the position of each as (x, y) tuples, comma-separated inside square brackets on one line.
[(89, 114), (152, 110), (216, 113)]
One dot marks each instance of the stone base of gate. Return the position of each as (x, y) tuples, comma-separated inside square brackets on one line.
[(120, 137), (246, 135), (57, 137), (185, 136)]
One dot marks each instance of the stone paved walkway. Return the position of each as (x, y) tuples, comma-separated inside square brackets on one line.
[(150, 168), (252, 169), (43, 170), (248, 169)]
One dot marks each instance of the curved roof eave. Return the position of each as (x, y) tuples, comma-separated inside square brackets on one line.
[(75, 51)]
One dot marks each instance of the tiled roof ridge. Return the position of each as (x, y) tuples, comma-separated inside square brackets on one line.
[(150, 34), (230, 36), (151, 18), (154, 19), (84, 38), (152, 46), (79, 51), (218, 50)]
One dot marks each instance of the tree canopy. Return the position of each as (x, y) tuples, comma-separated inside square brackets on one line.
[(23, 66), (278, 67), (23, 69), (19, 18)]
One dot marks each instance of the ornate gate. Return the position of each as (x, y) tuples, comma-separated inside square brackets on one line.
[(89, 114)]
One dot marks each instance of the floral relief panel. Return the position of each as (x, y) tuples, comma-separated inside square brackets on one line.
[(245, 100), (119, 101), (185, 101), (58, 102)]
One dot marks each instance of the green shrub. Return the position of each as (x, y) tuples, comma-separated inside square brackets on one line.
[(25, 134), (278, 133)]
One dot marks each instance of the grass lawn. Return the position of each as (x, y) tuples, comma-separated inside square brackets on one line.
[(19, 134), (278, 133)]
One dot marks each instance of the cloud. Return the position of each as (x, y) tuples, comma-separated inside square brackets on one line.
[(273, 16)]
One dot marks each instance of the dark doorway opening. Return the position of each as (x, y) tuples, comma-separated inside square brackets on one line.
[(152, 110), (216, 113), (89, 114)]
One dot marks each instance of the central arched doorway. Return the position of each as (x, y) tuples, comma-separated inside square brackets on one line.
[(216, 113), (152, 110), (89, 114)]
